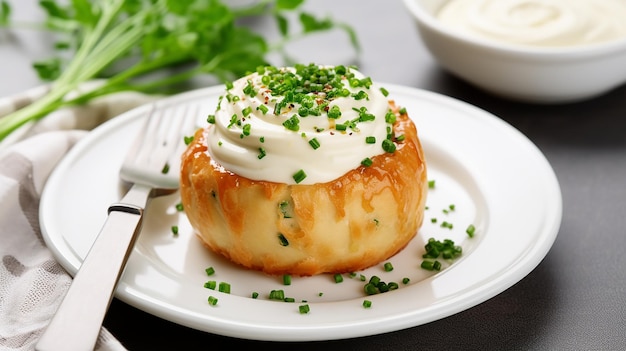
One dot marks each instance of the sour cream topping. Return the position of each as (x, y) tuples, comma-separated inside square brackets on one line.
[(548, 23), (299, 125)]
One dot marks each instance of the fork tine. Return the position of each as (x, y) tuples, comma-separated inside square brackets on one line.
[(162, 137)]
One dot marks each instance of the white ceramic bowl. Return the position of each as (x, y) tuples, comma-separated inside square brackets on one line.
[(523, 73)]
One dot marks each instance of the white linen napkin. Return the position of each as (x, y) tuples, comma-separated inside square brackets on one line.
[(32, 283)]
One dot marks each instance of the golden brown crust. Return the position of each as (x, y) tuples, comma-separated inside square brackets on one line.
[(346, 225)]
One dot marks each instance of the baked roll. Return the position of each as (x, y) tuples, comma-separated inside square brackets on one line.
[(328, 177)]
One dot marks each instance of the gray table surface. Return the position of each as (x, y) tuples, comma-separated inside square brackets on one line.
[(574, 300)]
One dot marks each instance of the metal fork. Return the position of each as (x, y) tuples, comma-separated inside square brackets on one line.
[(77, 322)]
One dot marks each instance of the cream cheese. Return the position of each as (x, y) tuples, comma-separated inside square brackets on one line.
[(545, 23), (261, 132)]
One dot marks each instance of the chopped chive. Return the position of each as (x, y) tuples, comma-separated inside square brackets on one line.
[(405, 280), (388, 267), (175, 230), (286, 279), (210, 271), (179, 207), (370, 140), (367, 303), (304, 309), (233, 120), (246, 111), (188, 139), (390, 117), (367, 162), (446, 224), (299, 176), (338, 278), (255, 295), (384, 91), (471, 230), (211, 284), (289, 299), (431, 265), (263, 109), (224, 287), (277, 295), (431, 184), (246, 129), (315, 144), (283, 241), (370, 289), (261, 153), (292, 123), (334, 112), (166, 168), (360, 95), (212, 300), (389, 146), (284, 209)]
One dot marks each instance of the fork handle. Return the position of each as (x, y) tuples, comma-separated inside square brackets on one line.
[(76, 324)]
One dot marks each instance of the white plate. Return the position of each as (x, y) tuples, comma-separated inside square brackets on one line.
[(496, 178)]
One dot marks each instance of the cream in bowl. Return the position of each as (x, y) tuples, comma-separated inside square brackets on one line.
[(550, 51), (543, 23)]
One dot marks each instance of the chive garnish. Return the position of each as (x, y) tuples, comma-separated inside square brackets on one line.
[(224, 287), (304, 309), (471, 230), (389, 146), (388, 267), (282, 240), (246, 111), (299, 176), (263, 109), (315, 144), (261, 153), (277, 295)]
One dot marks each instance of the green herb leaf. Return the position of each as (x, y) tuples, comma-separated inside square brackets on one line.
[(133, 45), (5, 13)]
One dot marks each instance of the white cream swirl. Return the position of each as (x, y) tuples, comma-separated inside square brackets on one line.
[(259, 133), (547, 23)]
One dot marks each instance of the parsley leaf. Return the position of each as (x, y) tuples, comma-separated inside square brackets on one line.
[(152, 46)]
